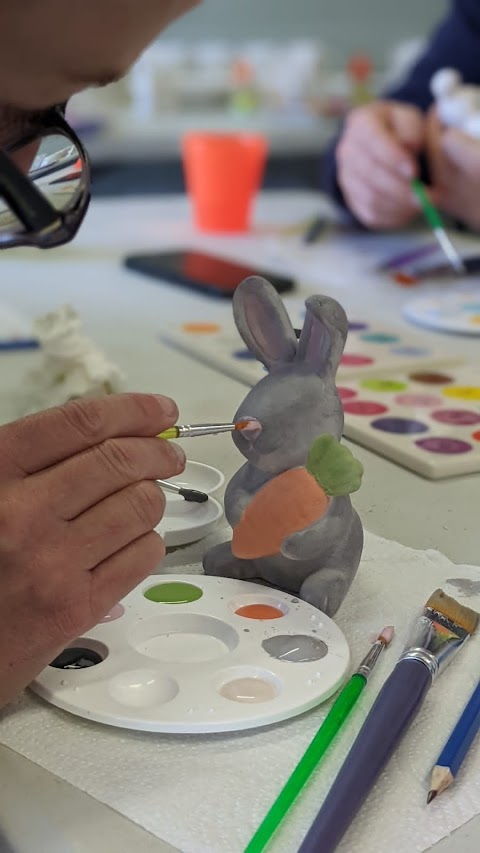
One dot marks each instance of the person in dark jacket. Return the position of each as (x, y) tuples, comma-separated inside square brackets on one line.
[(383, 145)]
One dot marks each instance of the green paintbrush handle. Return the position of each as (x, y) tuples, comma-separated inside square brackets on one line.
[(309, 761), (430, 212)]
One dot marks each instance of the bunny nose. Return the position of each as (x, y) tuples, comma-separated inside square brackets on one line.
[(252, 428)]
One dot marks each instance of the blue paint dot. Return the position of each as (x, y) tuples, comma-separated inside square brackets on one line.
[(244, 354), (471, 306), (399, 426), (357, 327), (379, 338), (414, 352)]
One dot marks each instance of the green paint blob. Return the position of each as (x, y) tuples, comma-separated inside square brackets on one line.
[(334, 467), (384, 385), (173, 593)]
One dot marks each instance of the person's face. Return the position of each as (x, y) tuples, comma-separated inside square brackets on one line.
[(50, 49)]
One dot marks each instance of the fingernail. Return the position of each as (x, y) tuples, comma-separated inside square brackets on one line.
[(179, 453), (169, 405)]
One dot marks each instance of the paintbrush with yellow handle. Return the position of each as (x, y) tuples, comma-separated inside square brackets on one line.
[(440, 632), (195, 430)]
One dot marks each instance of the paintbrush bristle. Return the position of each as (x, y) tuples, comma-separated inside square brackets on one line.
[(455, 612), (386, 636)]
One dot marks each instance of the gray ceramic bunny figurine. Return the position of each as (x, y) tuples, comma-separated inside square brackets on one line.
[(295, 402)]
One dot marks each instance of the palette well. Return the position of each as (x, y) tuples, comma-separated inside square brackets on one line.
[(188, 653), (184, 521), (452, 309), (427, 420), (369, 348)]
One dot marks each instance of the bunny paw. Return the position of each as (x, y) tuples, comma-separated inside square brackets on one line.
[(326, 589), (220, 562)]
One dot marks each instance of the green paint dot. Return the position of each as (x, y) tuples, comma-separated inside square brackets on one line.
[(173, 593), (379, 338), (384, 385)]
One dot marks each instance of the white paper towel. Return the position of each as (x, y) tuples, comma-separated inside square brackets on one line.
[(207, 794)]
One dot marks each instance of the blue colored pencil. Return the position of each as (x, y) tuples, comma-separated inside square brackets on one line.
[(456, 747)]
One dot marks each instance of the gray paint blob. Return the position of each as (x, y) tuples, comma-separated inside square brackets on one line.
[(296, 648), (465, 586)]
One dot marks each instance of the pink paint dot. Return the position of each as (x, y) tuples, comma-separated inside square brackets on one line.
[(115, 613), (418, 400), (351, 360), (364, 407), (456, 417), (346, 393)]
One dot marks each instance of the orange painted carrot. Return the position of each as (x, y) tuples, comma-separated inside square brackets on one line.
[(286, 504), (295, 499)]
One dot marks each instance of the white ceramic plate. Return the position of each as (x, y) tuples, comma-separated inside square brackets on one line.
[(198, 476), (185, 521)]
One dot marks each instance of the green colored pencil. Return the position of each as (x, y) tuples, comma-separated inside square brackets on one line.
[(434, 219), (327, 732)]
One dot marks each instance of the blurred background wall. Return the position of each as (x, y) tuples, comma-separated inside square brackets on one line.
[(345, 26), (289, 69)]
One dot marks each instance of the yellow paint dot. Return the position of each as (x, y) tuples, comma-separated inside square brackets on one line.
[(201, 328), (463, 392), (475, 319)]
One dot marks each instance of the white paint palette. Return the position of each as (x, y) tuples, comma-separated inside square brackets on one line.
[(189, 653), (427, 420), (369, 348), (456, 309)]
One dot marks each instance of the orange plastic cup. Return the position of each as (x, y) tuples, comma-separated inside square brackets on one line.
[(223, 174)]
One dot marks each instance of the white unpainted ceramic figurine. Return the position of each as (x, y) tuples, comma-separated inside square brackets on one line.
[(72, 365), (458, 105)]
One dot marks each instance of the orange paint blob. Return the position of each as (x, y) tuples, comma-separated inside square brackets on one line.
[(201, 328), (404, 279), (259, 611)]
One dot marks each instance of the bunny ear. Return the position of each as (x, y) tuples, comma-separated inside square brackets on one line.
[(323, 335), (263, 322)]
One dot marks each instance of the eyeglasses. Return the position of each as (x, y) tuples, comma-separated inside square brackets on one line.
[(44, 185)]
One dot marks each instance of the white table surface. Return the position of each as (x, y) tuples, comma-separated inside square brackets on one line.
[(125, 314)]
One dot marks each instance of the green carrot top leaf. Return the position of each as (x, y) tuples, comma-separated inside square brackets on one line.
[(334, 466)]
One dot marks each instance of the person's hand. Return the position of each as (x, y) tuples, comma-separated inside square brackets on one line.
[(376, 161), (78, 508), (454, 160), (50, 49)]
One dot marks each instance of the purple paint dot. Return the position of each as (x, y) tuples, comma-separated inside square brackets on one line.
[(351, 360), (458, 417), (357, 327), (346, 393), (400, 426), (364, 407), (444, 445), (420, 400), (413, 352)]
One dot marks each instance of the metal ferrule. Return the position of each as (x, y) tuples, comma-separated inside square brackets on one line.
[(190, 431), (435, 641), (370, 660)]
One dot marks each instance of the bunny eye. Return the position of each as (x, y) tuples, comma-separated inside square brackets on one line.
[(251, 428)]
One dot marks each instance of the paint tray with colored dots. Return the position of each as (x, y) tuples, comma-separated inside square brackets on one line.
[(426, 420), (190, 653), (370, 348)]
